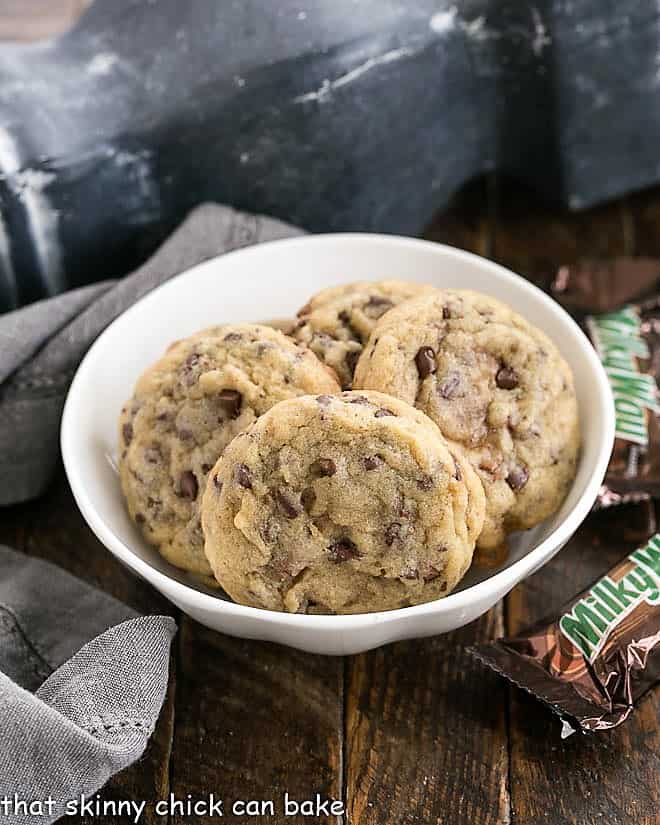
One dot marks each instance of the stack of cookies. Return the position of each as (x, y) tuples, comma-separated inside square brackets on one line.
[(354, 464)]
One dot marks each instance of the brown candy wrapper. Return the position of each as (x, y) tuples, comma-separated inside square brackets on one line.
[(594, 661), (626, 335)]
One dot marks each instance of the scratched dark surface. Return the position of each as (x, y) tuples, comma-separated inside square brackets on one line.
[(416, 732), (333, 114)]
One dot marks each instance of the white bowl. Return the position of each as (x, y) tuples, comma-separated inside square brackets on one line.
[(272, 281)]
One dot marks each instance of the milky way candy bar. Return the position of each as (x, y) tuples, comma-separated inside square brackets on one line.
[(627, 339), (594, 661)]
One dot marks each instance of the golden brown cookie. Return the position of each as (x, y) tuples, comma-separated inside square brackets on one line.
[(496, 386), (186, 408), (344, 504), (337, 322)]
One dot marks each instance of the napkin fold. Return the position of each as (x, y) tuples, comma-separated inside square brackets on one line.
[(75, 707), (42, 344), (82, 677)]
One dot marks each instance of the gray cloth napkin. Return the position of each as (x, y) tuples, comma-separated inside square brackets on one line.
[(90, 715), (42, 344), (76, 706)]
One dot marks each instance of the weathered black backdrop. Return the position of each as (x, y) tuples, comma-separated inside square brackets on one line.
[(333, 114)]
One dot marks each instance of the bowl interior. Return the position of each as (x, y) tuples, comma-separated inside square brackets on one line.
[(273, 281)]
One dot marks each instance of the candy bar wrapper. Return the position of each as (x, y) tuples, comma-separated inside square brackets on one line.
[(627, 339), (594, 661)]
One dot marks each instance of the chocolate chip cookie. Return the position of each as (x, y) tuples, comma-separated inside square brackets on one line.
[(185, 410), (496, 386), (337, 322), (344, 504)]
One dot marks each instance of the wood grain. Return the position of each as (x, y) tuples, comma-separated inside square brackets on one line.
[(607, 777), (426, 737), (416, 732), (426, 733), (469, 221), (254, 720), (25, 20), (533, 237)]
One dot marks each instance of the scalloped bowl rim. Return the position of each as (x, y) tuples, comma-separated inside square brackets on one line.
[(499, 582)]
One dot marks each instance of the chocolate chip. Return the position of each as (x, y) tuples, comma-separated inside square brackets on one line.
[(372, 462), (506, 378), (324, 467), (425, 483), (425, 361), (127, 432), (458, 475), (285, 504), (447, 389), (344, 317), (378, 301), (377, 306), (304, 310), (351, 359), (446, 313), (308, 498), (206, 468), (188, 486), (139, 518), (432, 574), (188, 366), (382, 412), (232, 337), (164, 416), (230, 402), (243, 476), (184, 434), (343, 550), (392, 533), (358, 399), (153, 455), (217, 483), (517, 478), (324, 400)]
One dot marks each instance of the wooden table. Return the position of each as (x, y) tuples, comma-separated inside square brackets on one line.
[(416, 732)]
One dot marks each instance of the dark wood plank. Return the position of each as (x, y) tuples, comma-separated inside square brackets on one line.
[(426, 733), (644, 209), (533, 237), (253, 721), (609, 777), (469, 219), (52, 528), (425, 726), (26, 20)]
